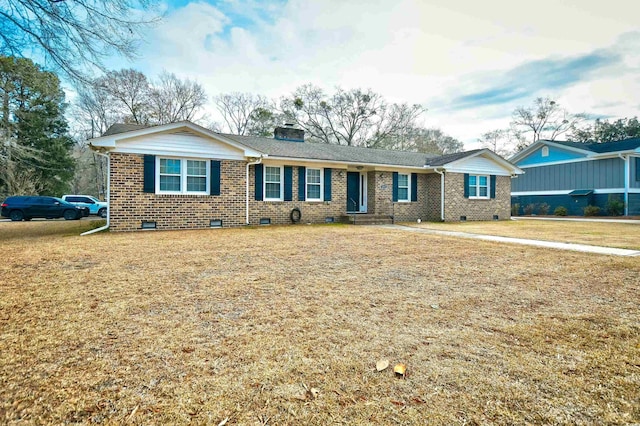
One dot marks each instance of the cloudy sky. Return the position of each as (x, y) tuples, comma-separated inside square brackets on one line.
[(469, 62)]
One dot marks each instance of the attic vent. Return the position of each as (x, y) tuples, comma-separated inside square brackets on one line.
[(183, 133)]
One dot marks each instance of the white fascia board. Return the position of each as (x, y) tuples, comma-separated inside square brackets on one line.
[(110, 141), (181, 154), (567, 191), (328, 163), (593, 157), (512, 168), (477, 172)]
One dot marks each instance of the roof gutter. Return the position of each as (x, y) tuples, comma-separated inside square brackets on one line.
[(102, 228), (251, 163), (626, 182), (441, 173)]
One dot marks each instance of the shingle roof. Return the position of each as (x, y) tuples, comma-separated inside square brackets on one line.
[(326, 152), (320, 151), (122, 128), (600, 148), (450, 158)]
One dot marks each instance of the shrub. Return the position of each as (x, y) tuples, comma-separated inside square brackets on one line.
[(529, 208), (614, 206), (560, 211), (591, 211), (515, 209), (543, 209)]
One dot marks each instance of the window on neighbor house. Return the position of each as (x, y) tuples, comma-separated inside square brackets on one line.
[(182, 176), (478, 186), (545, 151), (314, 185), (273, 183), (403, 187)]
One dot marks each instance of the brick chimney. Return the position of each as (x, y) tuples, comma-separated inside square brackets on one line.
[(288, 133)]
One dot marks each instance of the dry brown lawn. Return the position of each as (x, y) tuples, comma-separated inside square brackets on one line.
[(284, 325), (608, 234)]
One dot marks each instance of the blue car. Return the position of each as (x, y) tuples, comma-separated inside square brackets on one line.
[(95, 206), (23, 207)]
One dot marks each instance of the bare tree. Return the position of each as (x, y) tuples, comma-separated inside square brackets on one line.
[(546, 119), (435, 141), (242, 112), (354, 117), (501, 141), (172, 99), (130, 90), (73, 36)]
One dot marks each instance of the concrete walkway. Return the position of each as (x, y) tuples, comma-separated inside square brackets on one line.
[(538, 243)]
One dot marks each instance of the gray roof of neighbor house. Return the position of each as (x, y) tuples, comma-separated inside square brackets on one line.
[(600, 148), (327, 152)]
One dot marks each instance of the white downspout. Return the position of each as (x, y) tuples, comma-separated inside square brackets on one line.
[(102, 228), (247, 187), (626, 183), (441, 173)]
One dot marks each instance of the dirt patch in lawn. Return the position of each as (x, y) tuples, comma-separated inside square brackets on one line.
[(284, 325), (607, 234)]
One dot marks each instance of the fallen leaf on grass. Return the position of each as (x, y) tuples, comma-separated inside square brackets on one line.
[(382, 365), (400, 370)]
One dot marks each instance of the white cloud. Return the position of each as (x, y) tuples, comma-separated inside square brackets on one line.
[(414, 51)]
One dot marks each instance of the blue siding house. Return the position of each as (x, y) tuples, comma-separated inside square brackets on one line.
[(575, 175)]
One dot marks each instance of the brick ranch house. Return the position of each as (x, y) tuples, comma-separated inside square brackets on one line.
[(183, 176)]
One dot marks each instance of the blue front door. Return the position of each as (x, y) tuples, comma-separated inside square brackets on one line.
[(353, 191)]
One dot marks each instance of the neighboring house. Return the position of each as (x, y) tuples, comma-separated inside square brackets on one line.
[(575, 175), (183, 176)]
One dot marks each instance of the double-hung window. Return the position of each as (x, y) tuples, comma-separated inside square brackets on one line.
[(182, 176), (403, 187), (273, 185), (478, 186), (314, 185)]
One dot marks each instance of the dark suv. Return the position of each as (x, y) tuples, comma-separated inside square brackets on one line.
[(28, 207)]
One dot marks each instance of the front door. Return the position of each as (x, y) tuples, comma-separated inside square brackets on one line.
[(356, 192)]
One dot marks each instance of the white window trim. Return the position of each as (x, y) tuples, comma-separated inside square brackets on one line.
[(306, 185), (183, 176), (264, 183), (480, 197), (408, 199)]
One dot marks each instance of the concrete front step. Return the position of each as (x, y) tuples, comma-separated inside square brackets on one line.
[(366, 219)]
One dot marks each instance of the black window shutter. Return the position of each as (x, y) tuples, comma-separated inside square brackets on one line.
[(327, 184), (288, 183), (214, 179), (395, 186), (637, 168), (149, 185), (414, 187), (466, 185), (302, 182), (259, 176), (493, 186)]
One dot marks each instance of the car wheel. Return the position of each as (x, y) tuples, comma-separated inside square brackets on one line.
[(16, 215), (71, 215), (102, 212)]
